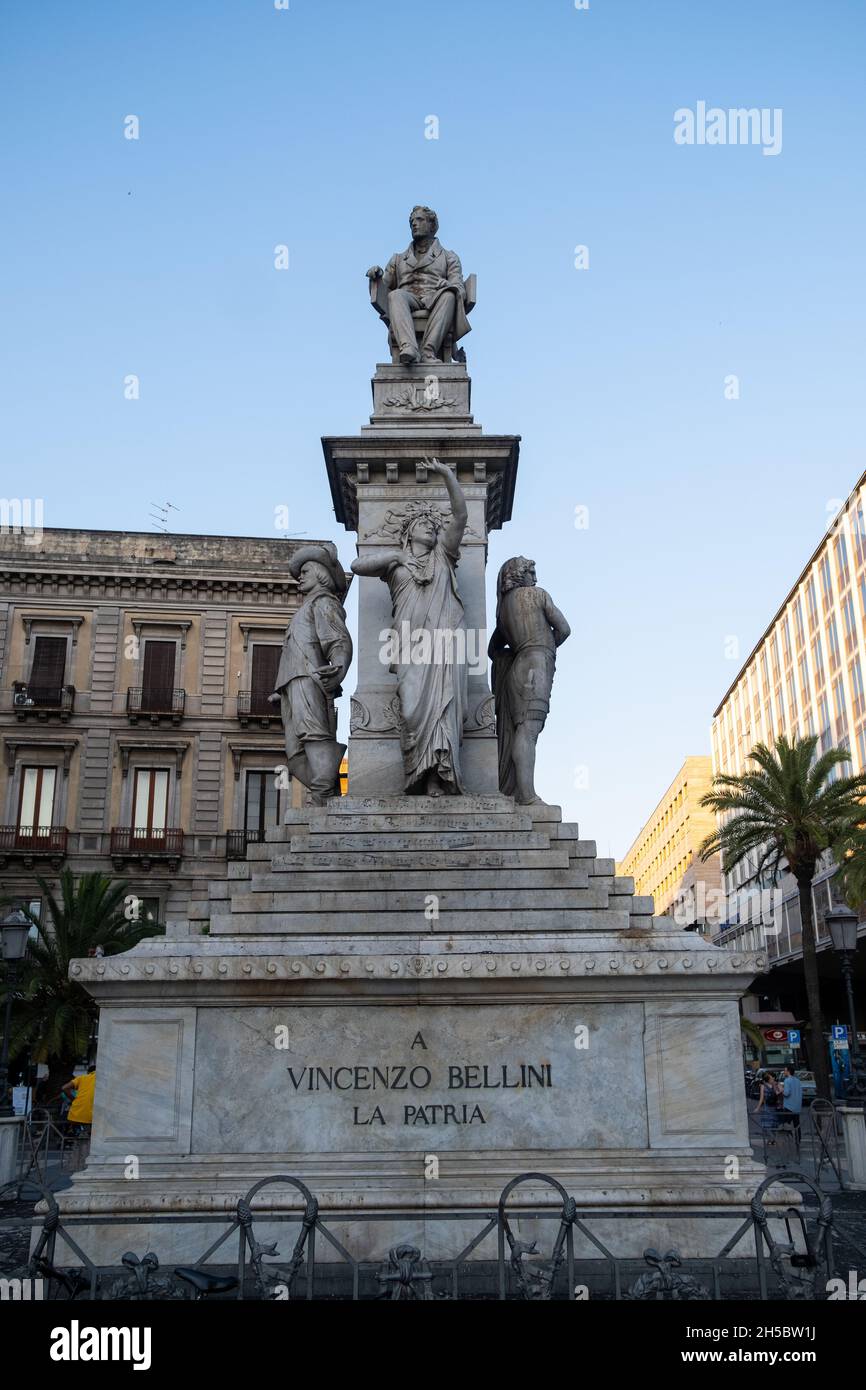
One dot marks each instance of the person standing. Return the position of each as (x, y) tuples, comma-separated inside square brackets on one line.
[(792, 1098), (768, 1102)]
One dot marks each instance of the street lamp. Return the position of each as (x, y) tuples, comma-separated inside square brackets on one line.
[(14, 930), (842, 924)]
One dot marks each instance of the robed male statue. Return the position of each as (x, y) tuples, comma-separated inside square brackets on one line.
[(529, 628)]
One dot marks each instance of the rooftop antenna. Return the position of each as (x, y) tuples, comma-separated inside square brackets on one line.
[(160, 520)]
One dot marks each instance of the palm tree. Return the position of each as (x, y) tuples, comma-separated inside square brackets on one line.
[(53, 1016), (790, 808), (852, 868)]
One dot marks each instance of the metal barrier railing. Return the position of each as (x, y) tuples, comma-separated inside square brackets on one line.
[(795, 1263)]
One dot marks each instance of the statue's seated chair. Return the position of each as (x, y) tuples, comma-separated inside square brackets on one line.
[(450, 353)]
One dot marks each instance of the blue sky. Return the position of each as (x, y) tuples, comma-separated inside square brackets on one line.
[(259, 127)]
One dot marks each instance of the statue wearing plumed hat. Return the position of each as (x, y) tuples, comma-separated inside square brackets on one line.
[(316, 655)]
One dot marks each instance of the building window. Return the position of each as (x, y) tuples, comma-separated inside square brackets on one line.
[(812, 605), (833, 643), (263, 804), (842, 571), (850, 621), (858, 696), (839, 706), (157, 681), (799, 630), (36, 800), (47, 671), (150, 802), (859, 530), (826, 581), (149, 910), (263, 675)]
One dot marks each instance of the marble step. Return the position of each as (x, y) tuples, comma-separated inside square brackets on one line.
[(375, 880), (366, 825), (409, 900), (415, 923), (440, 805), (426, 859), (384, 842)]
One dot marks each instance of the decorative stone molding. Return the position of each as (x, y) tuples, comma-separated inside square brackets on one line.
[(261, 750), (155, 621), (176, 748), (265, 629), (66, 746), (63, 619), (379, 715)]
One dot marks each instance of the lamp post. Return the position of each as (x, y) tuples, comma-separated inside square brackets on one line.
[(842, 924), (14, 930)]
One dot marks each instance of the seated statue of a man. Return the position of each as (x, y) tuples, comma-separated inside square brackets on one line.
[(424, 276)]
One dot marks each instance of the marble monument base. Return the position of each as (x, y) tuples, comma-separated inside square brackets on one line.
[(406, 1003)]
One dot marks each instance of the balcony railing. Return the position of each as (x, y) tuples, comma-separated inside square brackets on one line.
[(237, 841), (33, 841), (130, 842), (155, 704), (252, 704), (42, 700)]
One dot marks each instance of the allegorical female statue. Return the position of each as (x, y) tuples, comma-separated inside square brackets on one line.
[(316, 655), (431, 665), (529, 628)]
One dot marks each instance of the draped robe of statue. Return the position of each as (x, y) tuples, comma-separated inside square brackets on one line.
[(432, 688)]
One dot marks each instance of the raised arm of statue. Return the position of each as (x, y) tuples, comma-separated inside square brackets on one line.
[(452, 535)]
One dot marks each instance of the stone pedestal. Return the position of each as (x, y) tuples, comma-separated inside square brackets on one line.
[(10, 1137), (393, 980), (854, 1131), (373, 476)]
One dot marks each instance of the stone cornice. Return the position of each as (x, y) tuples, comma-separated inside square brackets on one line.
[(187, 590)]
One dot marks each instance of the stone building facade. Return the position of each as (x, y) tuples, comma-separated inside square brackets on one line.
[(135, 729), (664, 858)]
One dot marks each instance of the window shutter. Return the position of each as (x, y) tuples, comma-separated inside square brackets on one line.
[(49, 665), (266, 660), (158, 676)]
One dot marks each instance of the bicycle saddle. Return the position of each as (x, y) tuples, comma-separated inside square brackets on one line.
[(206, 1283)]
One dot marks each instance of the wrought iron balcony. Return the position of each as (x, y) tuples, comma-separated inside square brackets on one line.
[(143, 845), (237, 841), (42, 701), (252, 704), (155, 704), (29, 842)]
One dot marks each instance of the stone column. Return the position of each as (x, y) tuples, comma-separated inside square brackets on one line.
[(373, 476)]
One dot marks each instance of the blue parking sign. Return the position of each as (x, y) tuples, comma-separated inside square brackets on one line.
[(839, 1032), (794, 1037)]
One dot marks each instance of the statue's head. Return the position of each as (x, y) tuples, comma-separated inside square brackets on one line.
[(423, 221), (318, 567), (516, 573), (421, 529), (315, 576)]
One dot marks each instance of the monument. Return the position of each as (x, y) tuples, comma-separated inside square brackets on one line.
[(412, 994)]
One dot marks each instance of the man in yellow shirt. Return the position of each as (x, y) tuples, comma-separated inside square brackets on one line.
[(81, 1088)]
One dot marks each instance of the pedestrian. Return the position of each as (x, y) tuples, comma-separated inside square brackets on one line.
[(768, 1104), (792, 1099), (81, 1089)]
